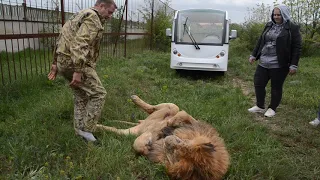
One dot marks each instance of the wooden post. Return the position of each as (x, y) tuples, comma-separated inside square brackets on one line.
[(62, 12), (152, 19), (125, 30), (24, 4)]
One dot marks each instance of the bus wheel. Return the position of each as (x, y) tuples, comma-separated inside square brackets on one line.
[(178, 70), (220, 73)]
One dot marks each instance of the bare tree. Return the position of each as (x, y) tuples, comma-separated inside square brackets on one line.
[(307, 14)]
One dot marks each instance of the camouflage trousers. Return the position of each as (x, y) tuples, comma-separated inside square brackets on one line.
[(89, 96)]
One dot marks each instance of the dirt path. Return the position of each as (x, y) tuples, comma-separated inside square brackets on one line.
[(248, 90), (297, 136)]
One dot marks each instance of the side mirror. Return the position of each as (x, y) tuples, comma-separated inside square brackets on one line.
[(168, 32), (233, 34)]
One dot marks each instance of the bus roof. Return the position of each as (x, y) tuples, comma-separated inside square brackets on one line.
[(203, 10)]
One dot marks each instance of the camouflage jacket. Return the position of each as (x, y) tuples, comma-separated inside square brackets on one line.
[(80, 39)]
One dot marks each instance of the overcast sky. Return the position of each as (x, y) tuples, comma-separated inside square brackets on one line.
[(237, 9)]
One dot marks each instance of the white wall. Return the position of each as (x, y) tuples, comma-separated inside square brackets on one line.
[(9, 27)]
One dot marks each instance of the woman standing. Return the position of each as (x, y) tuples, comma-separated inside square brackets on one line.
[(278, 51)]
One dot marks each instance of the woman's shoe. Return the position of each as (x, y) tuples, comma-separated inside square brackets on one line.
[(270, 113), (256, 109), (315, 122)]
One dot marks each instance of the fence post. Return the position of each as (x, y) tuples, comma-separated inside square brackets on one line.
[(118, 37), (152, 15), (62, 12), (125, 30), (24, 5)]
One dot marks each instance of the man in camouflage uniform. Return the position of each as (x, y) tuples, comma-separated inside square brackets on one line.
[(75, 57)]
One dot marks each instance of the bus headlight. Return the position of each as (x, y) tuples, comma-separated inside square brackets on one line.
[(175, 51), (222, 53)]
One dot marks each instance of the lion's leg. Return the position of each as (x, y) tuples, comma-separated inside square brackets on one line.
[(180, 118), (143, 105), (126, 122), (134, 130), (152, 108), (142, 143), (162, 114)]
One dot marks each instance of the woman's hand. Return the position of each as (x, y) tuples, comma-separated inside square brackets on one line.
[(252, 59), (292, 71)]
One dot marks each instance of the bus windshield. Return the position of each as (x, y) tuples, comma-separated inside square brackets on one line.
[(205, 26)]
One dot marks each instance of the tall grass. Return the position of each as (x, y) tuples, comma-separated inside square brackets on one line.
[(23, 65), (37, 138)]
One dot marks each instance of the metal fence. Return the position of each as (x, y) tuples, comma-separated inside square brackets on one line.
[(29, 28)]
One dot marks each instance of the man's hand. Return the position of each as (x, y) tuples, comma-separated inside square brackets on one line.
[(53, 72), (292, 71), (76, 79), (252, 59)]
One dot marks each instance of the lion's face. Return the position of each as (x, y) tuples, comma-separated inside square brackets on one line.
[(176, 147), (198, 143), (194, 158)]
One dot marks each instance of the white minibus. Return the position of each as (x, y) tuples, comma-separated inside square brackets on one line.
[(200, 40)]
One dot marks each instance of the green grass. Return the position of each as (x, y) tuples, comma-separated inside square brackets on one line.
[(24, 65), (37, 139), (133, 46)]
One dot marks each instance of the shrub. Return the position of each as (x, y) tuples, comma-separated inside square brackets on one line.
[(160, 40), (238, 47), (161, 21), (251, 33), (310, 48)]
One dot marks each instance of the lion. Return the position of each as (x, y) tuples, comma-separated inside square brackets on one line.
[(188, 148)]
